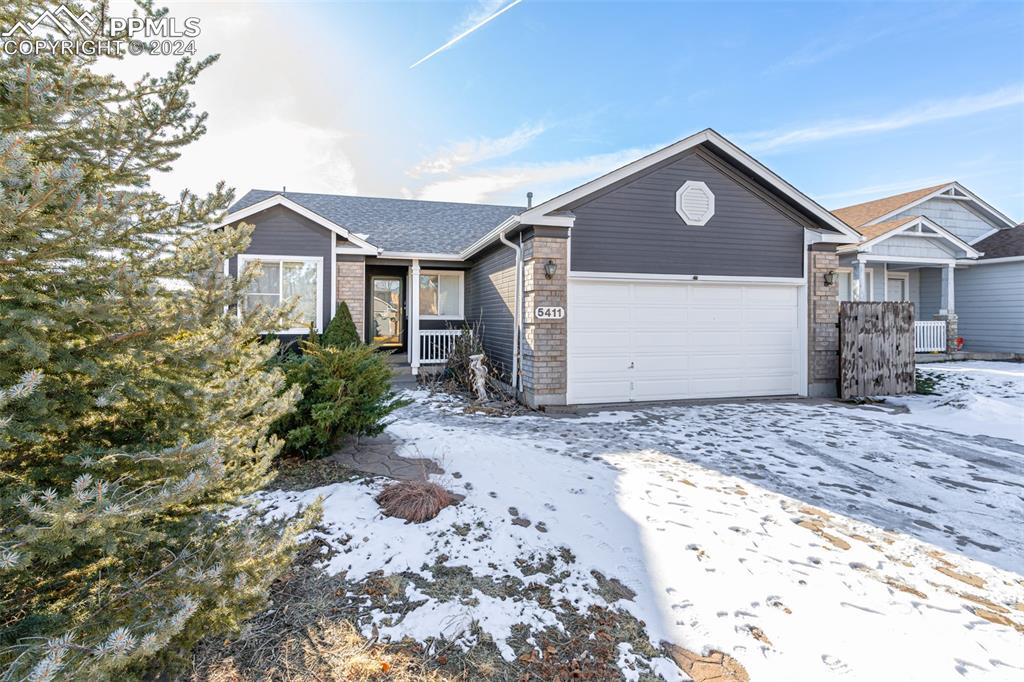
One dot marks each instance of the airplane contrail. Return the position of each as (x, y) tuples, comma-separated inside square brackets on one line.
[(467, 32)]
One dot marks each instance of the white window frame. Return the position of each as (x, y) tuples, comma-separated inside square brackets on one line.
[(870, 277), (245, 259), (905, 276), (462, 294)]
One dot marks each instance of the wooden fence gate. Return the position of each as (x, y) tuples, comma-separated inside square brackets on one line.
[(876, 349)]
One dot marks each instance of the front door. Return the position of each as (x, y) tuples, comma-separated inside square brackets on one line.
[(386, 310), (896, 289)]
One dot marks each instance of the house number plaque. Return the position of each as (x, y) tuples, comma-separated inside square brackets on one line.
[(544, 312)]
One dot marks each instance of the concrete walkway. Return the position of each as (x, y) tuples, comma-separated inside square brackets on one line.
[(377, 456)]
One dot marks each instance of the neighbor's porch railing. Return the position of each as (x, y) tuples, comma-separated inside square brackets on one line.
[(437, 344), (930, 336)]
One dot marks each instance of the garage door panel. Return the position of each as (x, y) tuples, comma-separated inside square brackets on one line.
[(769, 296), (682, 340)]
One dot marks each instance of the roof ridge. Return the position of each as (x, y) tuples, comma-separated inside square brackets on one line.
[(381, 198)]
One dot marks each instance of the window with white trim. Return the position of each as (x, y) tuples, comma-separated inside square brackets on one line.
[(441, 294), (283, 278), (845, 277)]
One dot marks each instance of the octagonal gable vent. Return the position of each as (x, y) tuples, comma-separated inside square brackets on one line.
[(695, 203)]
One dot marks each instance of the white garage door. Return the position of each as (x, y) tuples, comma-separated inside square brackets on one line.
[(683, 340)]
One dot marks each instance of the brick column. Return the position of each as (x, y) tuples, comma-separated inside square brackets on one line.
[(543, 353), (351, 288), (951, 330), (823, 310)]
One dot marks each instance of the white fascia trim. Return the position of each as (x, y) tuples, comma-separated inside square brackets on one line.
[(869, 258), (926, 222), (695, 279), (280, 200), (971, 196), (484, 241), (986, 261), (408, 255), (356, 251), (535, 215)]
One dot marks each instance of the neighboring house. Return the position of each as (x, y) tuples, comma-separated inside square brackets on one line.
[(923, 246), (693, 272), (990, 295)]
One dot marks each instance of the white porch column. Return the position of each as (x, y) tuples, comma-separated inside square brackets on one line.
[(414, 316), (947, 303), (859, 281)]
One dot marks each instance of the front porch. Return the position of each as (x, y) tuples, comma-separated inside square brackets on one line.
[(929, 284), (417, 312)]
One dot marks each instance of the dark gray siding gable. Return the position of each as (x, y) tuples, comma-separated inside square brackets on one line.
[(490, 297), (282, 232), (635, 228)]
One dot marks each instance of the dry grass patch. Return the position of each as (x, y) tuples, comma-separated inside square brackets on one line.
[(414, 501), (332, 651)]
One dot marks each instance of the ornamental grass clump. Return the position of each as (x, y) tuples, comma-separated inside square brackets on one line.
[(414, 501)]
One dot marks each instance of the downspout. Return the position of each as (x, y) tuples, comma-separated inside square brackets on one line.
[(517, 316)]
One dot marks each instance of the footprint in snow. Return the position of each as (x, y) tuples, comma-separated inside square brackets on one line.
[(835, 664)]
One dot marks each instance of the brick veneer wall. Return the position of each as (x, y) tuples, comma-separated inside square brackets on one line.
[(823, 309), (351, 284), (544, 351)]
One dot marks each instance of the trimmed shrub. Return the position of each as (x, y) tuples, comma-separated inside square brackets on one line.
[(414, 501), (341, 332), (346, 391)]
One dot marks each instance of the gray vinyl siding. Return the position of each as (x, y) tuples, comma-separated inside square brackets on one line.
[(490, 302), (931, 292), (914, 247), (989, 303), (282, 232), (635, 228), (953, 215)]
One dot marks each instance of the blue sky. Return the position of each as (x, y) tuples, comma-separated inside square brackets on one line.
[(848, 101)]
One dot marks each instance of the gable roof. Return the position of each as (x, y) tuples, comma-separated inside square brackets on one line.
[(552, 212), (879, 232), (398, 225), (1003, 244), (878, 229), (861, 214), (880, 210)]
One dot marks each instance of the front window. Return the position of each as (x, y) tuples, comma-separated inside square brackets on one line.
[(282, 279), (441, 295)]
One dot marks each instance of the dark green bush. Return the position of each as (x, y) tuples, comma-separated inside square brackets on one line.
[(346, 391), (341, 332)]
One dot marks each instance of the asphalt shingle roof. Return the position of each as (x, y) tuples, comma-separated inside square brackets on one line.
[(400, 224), (858, 214), (1003, 244)]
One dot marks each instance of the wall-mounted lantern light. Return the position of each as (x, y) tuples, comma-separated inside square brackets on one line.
[(550, 268), (830, 278)]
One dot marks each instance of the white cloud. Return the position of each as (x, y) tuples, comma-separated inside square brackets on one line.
[(868, 192), (470, 152), (925, 112), (271, 121), (508, 184)]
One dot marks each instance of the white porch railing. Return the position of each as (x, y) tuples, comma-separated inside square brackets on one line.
[(930, 336), (437, 344)]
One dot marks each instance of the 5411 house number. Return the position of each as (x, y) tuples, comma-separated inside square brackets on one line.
[(545, 312)]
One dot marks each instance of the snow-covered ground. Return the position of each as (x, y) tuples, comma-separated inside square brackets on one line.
[(810, 541)]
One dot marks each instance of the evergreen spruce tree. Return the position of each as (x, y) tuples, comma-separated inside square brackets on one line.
[(133, 411), (341, 331)]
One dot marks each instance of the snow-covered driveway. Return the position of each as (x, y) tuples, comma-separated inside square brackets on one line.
[(809, 540)]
